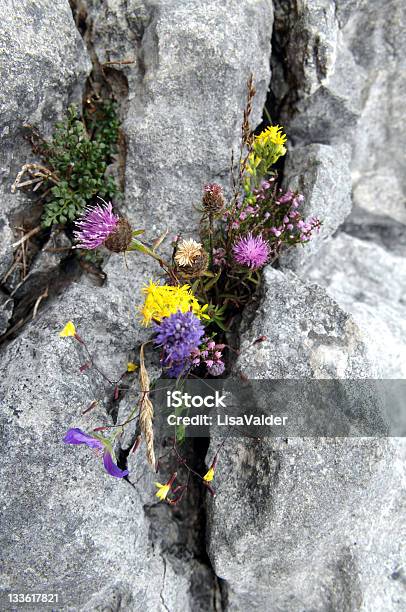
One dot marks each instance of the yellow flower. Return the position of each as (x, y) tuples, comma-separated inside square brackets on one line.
[(210, 475), (131, 367), (68, 330), (272, 134), (163, 490), (163, 300)]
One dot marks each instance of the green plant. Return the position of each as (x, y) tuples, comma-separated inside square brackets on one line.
[(78, 157), (103, 124)]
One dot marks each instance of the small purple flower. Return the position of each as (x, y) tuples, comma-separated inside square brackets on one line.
[(214, 189), (95, 226), (251, 251), (216, 369), (77, 436), (298, 200), (286, 197), (174, 369), (111, 468), (179, 335)]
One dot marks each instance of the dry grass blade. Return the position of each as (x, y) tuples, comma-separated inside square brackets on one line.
[(146, 411), (27, 236), (157, 243), (37, 171)]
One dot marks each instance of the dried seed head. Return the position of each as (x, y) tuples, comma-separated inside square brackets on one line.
[(121, 238), (198, 268), (191, 259), (187, 252), (213, 199)]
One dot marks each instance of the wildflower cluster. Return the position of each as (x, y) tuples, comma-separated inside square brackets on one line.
[(208, 279), (209, 354)]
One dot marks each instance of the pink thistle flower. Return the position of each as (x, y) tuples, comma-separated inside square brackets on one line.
[(95, 225), (251, 251)]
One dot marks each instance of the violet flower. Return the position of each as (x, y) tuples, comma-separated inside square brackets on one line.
[(77, 436), (251, 251), (178, 335), (95, 225)]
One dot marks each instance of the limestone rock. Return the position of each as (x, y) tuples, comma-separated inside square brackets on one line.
[(100, 541), (370, 283), (306, 329), (187, 92), (339, 77), (322, 174), (296, 517), (6, 311), (41, 73)]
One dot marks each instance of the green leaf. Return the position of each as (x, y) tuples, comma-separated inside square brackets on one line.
[(221, 325), (213, 281)]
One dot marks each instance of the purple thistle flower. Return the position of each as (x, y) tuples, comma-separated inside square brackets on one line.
[(77, 436), (178, 335), (95, 225), (251, 251)]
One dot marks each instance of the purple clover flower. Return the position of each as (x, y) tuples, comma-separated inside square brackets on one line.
[(77, 436), (216, 369), (214, 189), (251, 251), (95, 225), (178, 335)]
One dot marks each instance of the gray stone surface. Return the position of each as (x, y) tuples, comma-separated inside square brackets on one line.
[(376, 37), (315, 524), (369, 282), (306, 329), (339, 77), (6, 251), (299, 524), (41, 73), (322, 174), (186, 95), (319, 102), (310, 530), (98, 541), (44, 269), (88, 538), (6, 311)]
